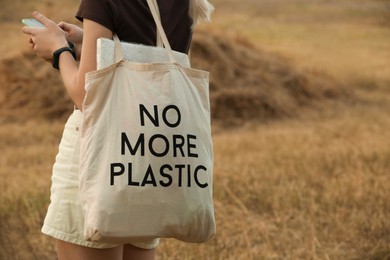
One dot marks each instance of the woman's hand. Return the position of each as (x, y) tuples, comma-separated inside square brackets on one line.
[(74, 34), (46, 40)]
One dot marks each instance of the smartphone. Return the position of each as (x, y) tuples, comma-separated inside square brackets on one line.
[(31, 22)]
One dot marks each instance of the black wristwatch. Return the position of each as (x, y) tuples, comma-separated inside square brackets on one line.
[(57, 53)]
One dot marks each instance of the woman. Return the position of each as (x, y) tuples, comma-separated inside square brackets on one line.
[(132, 22)]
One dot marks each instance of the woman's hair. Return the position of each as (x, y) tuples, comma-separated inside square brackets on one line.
[(200, 10)]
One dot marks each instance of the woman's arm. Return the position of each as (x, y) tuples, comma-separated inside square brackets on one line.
[(52, 37), (73, 77)]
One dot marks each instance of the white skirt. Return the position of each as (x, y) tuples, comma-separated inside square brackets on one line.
[(65, 218)]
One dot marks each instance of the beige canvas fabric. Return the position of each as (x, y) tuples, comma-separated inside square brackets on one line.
[(146, 166)]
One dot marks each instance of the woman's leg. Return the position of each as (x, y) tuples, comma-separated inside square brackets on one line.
[(69, 251), (134, 253)]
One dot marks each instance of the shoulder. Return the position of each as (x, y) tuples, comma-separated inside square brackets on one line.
[(100, 11)]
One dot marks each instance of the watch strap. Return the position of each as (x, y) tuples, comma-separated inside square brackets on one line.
[(57, 53)]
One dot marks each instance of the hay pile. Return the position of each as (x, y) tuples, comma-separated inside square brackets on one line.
[(249, 84), (31, 89), (246, 84)]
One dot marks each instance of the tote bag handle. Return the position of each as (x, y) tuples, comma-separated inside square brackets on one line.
[(159, 42), (153, 6)]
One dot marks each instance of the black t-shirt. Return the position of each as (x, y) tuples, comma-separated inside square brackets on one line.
[(132, 20)]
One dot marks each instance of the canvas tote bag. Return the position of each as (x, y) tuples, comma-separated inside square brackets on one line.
[(146, 166)]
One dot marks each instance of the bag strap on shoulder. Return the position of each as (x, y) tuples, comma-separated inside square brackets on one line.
[(153, 6), (159, 42), (161, 35)]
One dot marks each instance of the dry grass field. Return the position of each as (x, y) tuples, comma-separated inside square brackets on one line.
[(304, 180)]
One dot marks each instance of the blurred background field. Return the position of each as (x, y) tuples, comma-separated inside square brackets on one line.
[(300, 95)]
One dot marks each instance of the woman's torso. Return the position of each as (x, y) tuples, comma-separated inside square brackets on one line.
[(132, 21)]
